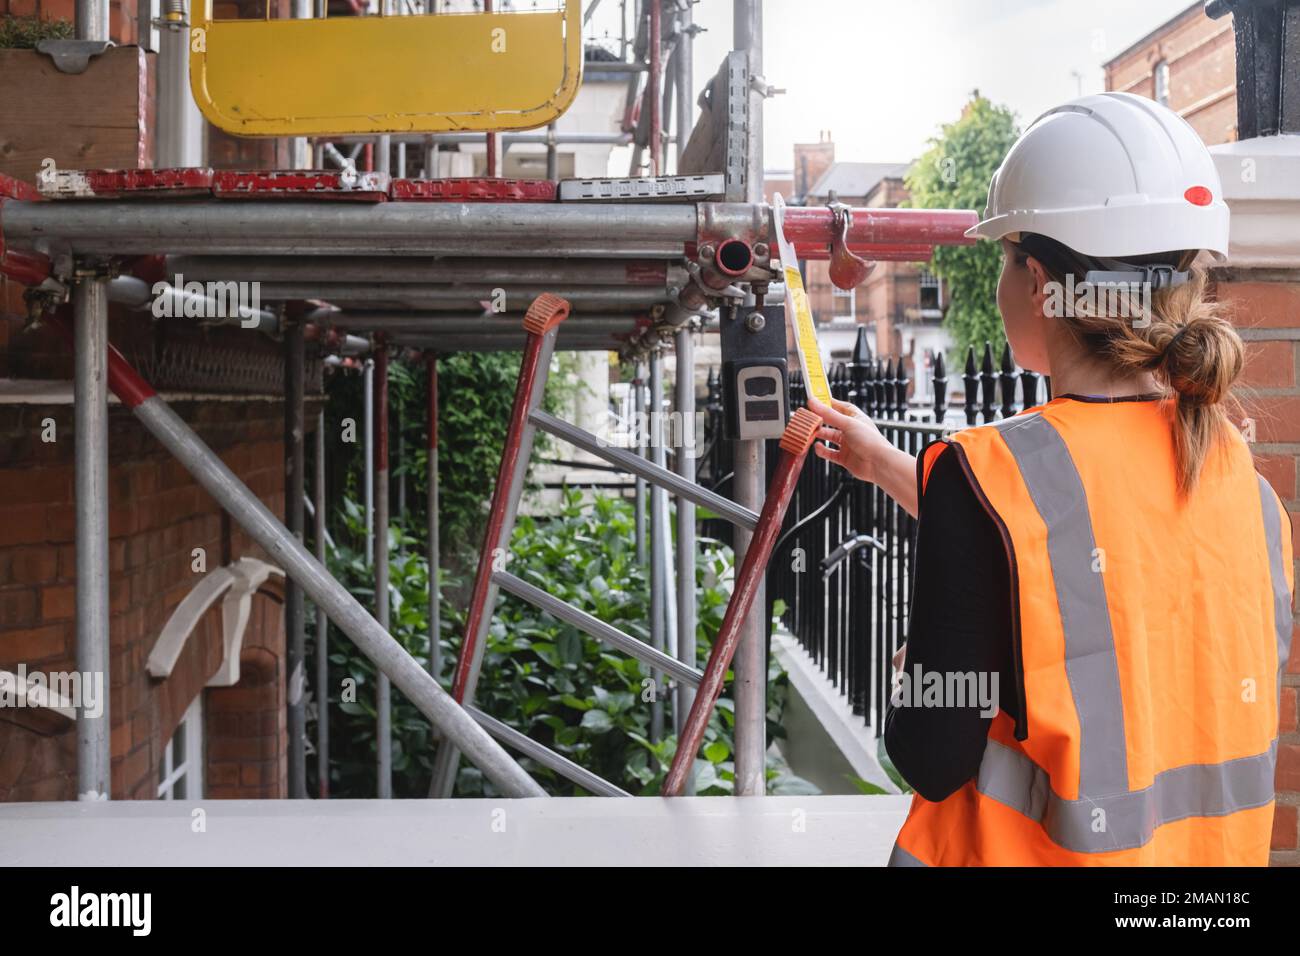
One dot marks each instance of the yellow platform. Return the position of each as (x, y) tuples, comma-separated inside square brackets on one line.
[(385, 74)]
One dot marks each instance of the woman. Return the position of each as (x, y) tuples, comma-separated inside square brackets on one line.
[(1110, 562)]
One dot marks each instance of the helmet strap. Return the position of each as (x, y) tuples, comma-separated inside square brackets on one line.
[(1118, 272)]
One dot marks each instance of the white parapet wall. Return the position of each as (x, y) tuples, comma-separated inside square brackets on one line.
[(580, 831)]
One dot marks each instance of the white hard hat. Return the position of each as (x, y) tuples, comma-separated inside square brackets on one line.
[(1110, 175)]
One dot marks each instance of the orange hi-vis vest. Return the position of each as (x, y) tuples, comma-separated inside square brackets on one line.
[(1149, 634)]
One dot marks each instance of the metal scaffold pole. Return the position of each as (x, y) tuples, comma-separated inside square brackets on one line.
[(684, 62), (322, 626), (90, 429), (368, 465), (750, 664), (652, 87), (383, 701), (639, 410), (435, 545), (687, 449), (658, 543), (458, 725), (295, 519), (91, 20)]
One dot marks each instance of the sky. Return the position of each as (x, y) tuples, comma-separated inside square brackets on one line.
[(882, 75)]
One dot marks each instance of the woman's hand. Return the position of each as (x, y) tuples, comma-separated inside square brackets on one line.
[(900, 656), (860, 446)]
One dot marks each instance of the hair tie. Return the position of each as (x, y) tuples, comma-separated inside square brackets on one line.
[(1173, 340)]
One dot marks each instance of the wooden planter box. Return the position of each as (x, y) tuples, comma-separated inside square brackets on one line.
[(100, 119)]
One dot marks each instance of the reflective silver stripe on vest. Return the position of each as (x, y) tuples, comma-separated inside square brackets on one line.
[(1123, 821), (1057, 491), (1277, 571), (900, 857)]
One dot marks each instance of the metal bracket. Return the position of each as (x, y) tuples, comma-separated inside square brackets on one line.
[(764, 89), (72, 56)]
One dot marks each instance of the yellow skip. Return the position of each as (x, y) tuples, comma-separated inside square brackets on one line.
[(385, 74), (796, 306)]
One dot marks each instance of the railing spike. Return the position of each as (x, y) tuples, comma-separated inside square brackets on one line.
[(940, 389)]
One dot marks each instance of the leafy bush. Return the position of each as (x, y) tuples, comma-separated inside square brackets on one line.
[(23, 33), (542, 676)]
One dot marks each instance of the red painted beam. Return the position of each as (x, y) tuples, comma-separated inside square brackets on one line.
[(939, 227), (796, 441)]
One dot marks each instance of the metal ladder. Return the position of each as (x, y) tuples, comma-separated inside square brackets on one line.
[(541, 323)]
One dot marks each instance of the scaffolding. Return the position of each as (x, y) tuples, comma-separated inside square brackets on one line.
[(364, 261)]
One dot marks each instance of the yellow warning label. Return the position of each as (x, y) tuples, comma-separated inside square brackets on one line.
[(810, 353), (798, 309)]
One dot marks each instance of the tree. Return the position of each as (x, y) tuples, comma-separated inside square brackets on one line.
[(954, 173)]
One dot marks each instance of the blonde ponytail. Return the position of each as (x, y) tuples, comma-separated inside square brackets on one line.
[(1187, 345)]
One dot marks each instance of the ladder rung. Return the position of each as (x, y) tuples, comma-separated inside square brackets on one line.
[(545, 755), (597, 628), (636, 465)]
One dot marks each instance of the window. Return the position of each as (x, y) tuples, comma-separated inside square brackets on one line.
[(931, 291), (1162, 82), (180, 772), (844, 303)]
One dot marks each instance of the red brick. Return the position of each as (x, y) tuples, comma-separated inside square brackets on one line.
[(1288, 767), (239, 748), (1287, 717), (24, 486), (58, 10), (1280, 472), (222, 774), (33, 565), (1272, 305), (61, 523), (1284, 827), (1277, 417), (22, 8), (25, 524), (1270, 365), (17, 607), (34, 644), (58, 603)]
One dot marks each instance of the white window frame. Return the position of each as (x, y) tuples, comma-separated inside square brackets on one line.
[(189, 770), (1160, 82), (851, 295), (928, 280)]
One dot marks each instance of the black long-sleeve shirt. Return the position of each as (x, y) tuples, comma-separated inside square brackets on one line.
[(960, 622)]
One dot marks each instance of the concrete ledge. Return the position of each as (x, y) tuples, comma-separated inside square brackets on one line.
[(581, 831)]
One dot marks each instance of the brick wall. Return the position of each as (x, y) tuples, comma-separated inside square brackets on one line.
[(1266, 308), (1202, 63), (157, 516)]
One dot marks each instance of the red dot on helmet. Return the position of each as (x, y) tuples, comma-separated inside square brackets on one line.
[(1198, 196)]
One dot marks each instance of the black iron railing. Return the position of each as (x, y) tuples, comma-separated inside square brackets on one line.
[(842, 567)]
